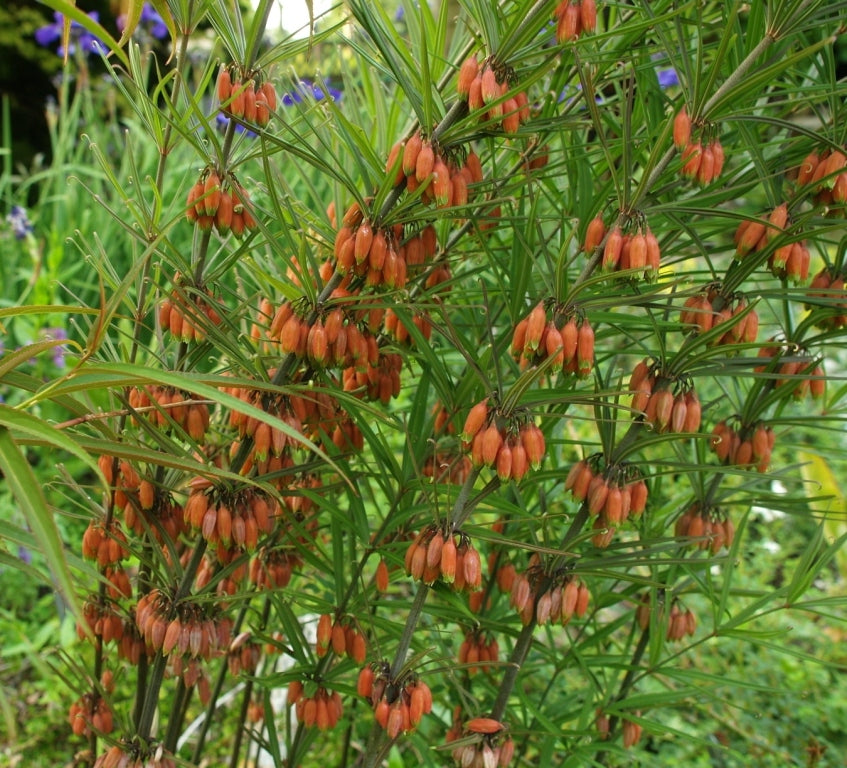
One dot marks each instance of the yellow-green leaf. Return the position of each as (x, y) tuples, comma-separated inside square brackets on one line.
[(66, 34), (12, 360), (133, 16), (817, 470), (161, 7)]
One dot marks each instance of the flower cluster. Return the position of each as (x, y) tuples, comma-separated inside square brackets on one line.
[(302, 91)]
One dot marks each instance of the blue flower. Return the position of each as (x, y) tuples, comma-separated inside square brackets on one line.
[(223, 122), (291, 98), (319, 94), (88, 43), (305, 89), (667, 77), (149, 22), (157, 25), (19, 221), (572, 92), (24, 555)]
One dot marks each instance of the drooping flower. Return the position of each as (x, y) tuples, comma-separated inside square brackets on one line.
[(305, 89)]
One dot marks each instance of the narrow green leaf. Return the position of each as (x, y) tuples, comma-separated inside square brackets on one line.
[(43, 309), (338, 525), (118, 375), (27, 491), (12, 360), (46, 435)]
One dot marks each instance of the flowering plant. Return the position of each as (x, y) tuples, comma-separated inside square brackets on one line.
[(440, 410)]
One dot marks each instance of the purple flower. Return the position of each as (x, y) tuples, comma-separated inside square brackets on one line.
[(572, 92), (19, 221), (319, 94), (150, 22), (667, 77), (151, 17), (89, 43), (59, 350), (223, 122), (24, 555), (290, 98), (305, 89)]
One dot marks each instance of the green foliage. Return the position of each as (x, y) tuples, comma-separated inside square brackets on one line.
[(276, 338)]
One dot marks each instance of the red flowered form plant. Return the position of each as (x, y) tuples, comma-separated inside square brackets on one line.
[(449, 379)]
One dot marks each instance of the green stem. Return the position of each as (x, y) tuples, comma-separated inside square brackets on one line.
[(239, 730), (377, 735), (455, 113), (626, 685), (181, 57), (461, 507), (541, 7), (633, 434), (409, 630), (714, 485), (345, 747), (739, 73), (140, 688), (151, 700), (524, 641), (98, 671), (257, 41), (157, 673), (180, 705), (390, 201), (138, 328), (516, 660), (223, 671), (659, 168)]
